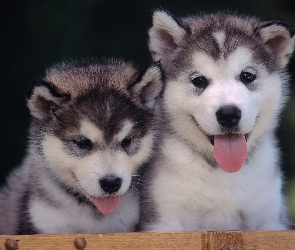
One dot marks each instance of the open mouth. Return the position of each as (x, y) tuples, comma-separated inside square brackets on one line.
[(106, 204), (211, 138), (230, 150)]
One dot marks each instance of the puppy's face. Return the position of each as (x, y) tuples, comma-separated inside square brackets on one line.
[(96, 146), (98, 143), (232, 95), (93, 126)]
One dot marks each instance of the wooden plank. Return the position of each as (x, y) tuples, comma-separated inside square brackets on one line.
[(249, 240), (194, 240), (201, 240)]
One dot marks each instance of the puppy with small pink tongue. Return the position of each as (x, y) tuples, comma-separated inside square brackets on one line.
[(106, 205), (230, 151)]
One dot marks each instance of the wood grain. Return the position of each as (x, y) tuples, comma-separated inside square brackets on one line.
[(262, 240), (200, 240)]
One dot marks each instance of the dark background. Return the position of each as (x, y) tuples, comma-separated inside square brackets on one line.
[(36, 34)]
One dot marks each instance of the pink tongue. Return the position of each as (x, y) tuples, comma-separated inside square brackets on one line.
[(230, 151), (106, 205)]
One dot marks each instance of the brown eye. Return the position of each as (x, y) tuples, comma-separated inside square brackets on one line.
[(247, 77), (83, 143)]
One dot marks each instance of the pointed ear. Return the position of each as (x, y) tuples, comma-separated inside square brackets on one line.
[(166, 34), (148, 85), (44, 99), (279, 37)]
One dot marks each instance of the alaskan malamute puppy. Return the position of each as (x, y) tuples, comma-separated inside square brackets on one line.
[(92, 129), (225, 84)]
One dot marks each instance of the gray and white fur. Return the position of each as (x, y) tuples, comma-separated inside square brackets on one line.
[(218, 165), (92, 129)]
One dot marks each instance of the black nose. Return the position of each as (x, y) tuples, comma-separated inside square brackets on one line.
[(228, 116), (110, 184)]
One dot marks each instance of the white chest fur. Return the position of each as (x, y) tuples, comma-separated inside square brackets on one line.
[(72, 217), (191, 195)]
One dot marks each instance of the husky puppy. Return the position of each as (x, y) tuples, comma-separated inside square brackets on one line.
[(92, 129), (218, 165)]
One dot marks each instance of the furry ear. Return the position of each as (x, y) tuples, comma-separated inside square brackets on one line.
[(148, 85), (166, 34), (279, 37), (43, 99)]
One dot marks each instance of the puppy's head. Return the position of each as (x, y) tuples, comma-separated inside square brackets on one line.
[(93, 126), (225, 80)]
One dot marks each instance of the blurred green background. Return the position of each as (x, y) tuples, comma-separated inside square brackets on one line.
[(36, 34)]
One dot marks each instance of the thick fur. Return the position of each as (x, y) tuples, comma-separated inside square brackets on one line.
[(90, 120), (187, 189)]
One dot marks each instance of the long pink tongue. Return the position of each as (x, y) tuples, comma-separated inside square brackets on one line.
[(106, 205), (230, 151)]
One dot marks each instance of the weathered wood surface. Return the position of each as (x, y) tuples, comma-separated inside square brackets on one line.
[(201, 240)]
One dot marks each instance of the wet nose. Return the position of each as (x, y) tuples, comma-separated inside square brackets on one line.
[(228, 116), (110, 184)]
